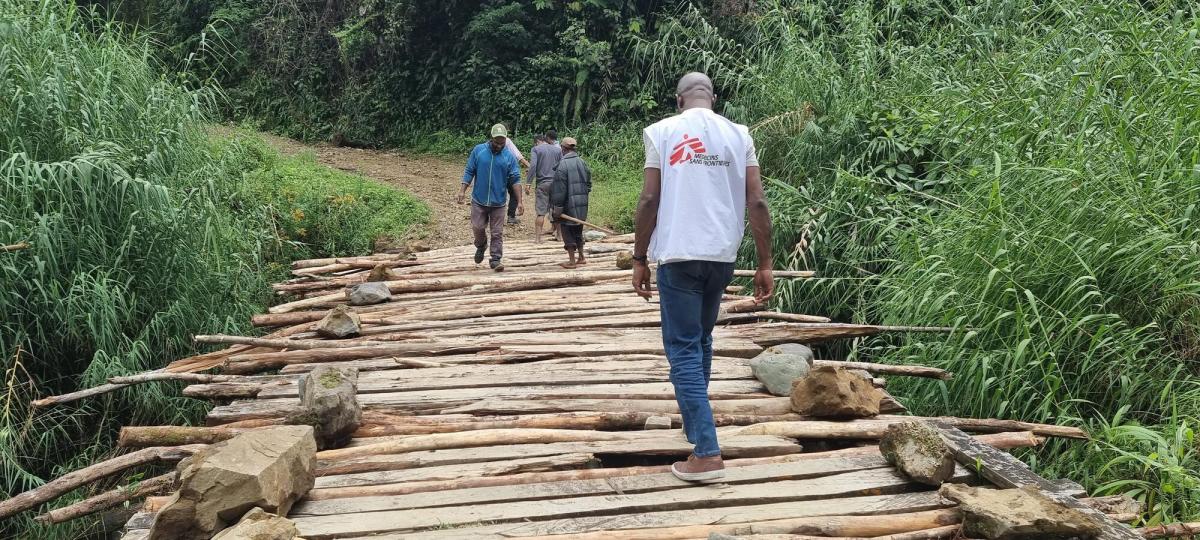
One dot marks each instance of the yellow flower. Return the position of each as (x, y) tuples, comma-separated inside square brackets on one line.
[(298, 214)]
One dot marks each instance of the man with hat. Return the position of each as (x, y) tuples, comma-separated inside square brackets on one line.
[(493, 171), (569, 196)]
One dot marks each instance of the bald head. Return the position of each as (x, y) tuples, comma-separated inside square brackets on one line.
[(695, 90)]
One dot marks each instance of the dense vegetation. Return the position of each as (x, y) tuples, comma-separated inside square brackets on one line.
[(142, 233), (1026, 172)]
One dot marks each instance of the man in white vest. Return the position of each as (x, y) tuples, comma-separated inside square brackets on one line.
[(701, 175)]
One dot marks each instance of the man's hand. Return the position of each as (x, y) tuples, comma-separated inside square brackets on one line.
[(459, 200), (521, 208), (641, 279), (764, 285)]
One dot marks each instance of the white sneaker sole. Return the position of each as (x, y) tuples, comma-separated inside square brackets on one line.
[(698, 477)]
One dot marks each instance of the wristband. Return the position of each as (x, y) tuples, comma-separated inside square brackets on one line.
[(639, 258)]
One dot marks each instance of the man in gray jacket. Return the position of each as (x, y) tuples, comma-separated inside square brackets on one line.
[(569, 197), (541, 175)]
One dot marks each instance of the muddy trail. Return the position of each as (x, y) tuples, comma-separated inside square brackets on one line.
[(434, 179)]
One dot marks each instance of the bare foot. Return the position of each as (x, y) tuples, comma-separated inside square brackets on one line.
[(581, 262), (567, 265)]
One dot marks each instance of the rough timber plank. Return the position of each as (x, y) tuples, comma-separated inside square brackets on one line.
[(734, 447), (447, 472), (724, 347), (1000, 468), (575, 488), (854, 506), (433, 400), (871, 481)]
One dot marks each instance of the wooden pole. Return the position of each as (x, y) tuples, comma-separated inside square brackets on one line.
[(15, 247), (109, 499), (586, 224), (59, 486), (165, 376), (148, 436), (1173, 530)]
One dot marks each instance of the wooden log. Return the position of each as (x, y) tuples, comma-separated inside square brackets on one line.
[(168, 376), (1004, 440), (147, 436), (482, 438), (723, 347), (945, 531), (820, 527), (889, 369), (991, 425), (530, 464), (59, 486), (109, 499), (476, 283), (791, 317), (380, 424), (1173, 530), (777, 274), (15, 247), (794, 470), (871, 481), (1008, 472)]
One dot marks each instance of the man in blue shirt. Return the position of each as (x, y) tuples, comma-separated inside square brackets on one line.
[(493, 170)]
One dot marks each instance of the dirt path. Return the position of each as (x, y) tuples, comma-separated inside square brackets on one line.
[(434, 179)]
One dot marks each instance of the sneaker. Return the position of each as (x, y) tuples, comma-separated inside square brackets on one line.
[(699, 469), (497, 266), (479, 251)]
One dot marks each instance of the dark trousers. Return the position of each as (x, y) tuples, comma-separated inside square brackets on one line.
[(572, 235), (512, 201), (690, 299), (485, 220)]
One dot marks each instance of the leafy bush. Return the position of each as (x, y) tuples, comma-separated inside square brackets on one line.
[(315, 210)]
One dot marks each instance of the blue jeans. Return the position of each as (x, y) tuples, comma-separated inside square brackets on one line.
[(690, 299)]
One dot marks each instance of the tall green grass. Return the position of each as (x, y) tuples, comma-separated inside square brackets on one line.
[(1025, 172), (143, 233)]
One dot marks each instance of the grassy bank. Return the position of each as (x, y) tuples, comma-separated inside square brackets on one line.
[(143, 232)]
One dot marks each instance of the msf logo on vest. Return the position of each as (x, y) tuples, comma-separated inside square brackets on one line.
[(691, 150)]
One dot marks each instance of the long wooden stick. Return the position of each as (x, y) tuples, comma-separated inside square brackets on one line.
[(57, 487), (586, 224), (166, 376), (109, 499), (1173, 530), (15, 247)]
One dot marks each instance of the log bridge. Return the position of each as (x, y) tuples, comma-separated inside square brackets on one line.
[(518, 405)]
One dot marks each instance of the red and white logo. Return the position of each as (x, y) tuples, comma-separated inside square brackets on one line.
[(684, 151)]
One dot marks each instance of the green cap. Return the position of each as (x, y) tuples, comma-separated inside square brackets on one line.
[(499, 130)]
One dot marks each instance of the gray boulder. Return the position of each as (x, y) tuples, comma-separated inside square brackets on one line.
[(268, 468), (340, 322), (365, 294), (592, 235), (329, 400), (625, 260), (918, 451), (1024, 513), (259, 525), (776, 367)]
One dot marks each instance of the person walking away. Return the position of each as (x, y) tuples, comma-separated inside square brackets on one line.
[(493, 171), (569, 196), (541, 176), (512, 197), (701, 175)]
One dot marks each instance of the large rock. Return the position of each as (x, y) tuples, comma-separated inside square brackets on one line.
[(340, 322), (365, 294), (777, 367), (329, 399), (418, 245), (918, 450), (1009, 514), (267, 468), (833, 392), (259, 525), (592, 235), (625, 260)]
